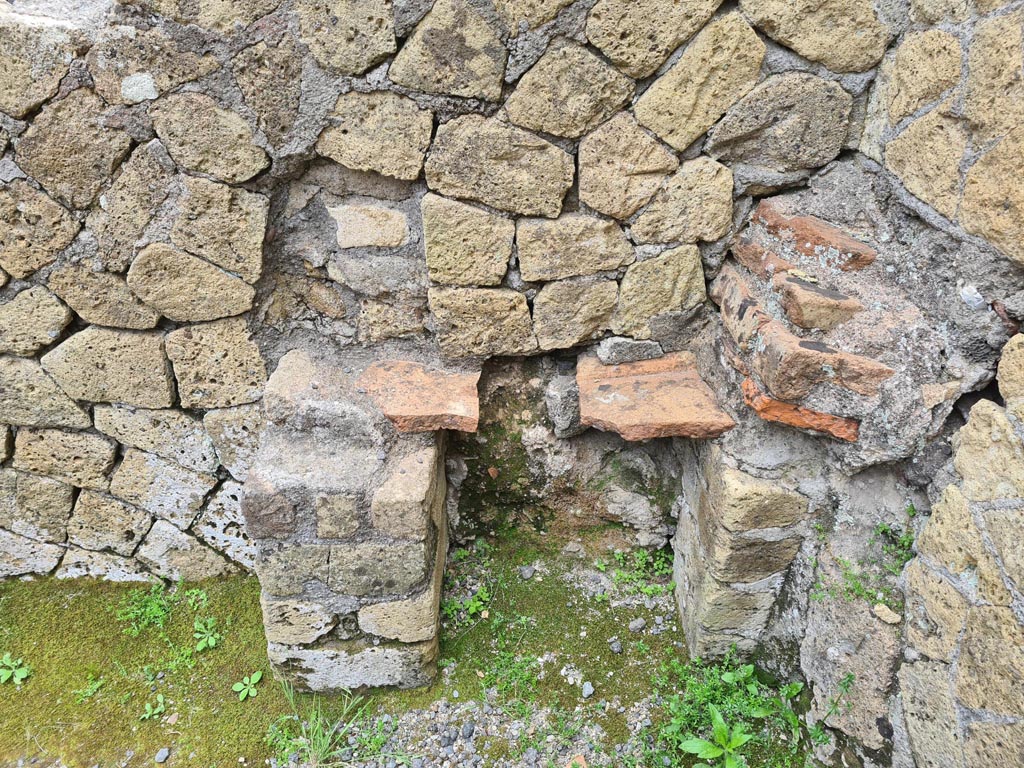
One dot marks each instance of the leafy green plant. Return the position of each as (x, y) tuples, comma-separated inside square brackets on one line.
[(154, 709), (725, 749), (459, 613), (643, 572), (246, 687), (206, 634), (141, 609), (311, 736), (91, 688), (197, 599), (818, 733), (13, 670)]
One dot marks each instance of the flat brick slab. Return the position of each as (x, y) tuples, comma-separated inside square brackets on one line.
[(770, 409), (651, 398), (419, 399), (815, 238)]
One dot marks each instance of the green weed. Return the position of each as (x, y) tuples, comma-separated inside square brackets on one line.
[(13, 670), (91, 688), (246, 687)]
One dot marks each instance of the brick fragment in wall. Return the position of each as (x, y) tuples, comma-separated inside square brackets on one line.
[(814, 238), (810, 305), (420, 399), (770, 409)]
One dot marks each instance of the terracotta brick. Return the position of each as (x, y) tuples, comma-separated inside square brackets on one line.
[(759, 259), (418, 399), (814, 238), (664, 397), (771, 409), (810, 305)]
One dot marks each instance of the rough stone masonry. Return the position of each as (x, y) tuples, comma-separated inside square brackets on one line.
[(262, 261)]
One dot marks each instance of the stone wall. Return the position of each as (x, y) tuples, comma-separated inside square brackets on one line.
[(762, 257)]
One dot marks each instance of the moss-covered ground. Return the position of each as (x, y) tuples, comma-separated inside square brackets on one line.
[(507, 640)]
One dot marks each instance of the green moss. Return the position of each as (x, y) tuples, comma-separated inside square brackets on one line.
[(69, 634)]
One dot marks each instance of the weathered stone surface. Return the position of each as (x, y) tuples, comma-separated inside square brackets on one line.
[(33, 319), (621, 167), (6, 444), (70, 151), (939, 10), (286, 571), (347, 36), (638, 35), (108, 366), (217, 364), (734, 558), (170, 434), (926, 157), (127, 206), (34, 506), (377, 226), (413, 619), (570, 312), (993, 744), (418, 399), (1011, 369), (35, 53), (694, 204), (770, 409), (337, 516), (619, 349), (927, 64), (789, 122), (989, 455), (653, 398), (368, 569), (990, 672), (935, 612), (270, 77), (930, 712), (741, 502), (129, 65), (79, 564), (428, 61), (77, 458), (412, 496), (573, 244), (294, 622), (465, 245), (203, 137), (29, 397), (533, 12), (814, 238), (482, 159), (101, 522), (844, 35), (1003, 530), (175, 555), (236, 436), (20, 555), (33, 228), (811, 305), (186, 288), (717, 69), (994, 102), (951, 540), (568, 92), (993, 203), (162, 487), (222, 526), (379, 131), (482, 321), (336, 669), (671, 282), (223, 225), (225, 16), (102, 298)]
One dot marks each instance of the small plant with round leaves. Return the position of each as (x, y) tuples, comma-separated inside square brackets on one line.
[(154, 710), (206, 634), (246, 687), (13, 670)]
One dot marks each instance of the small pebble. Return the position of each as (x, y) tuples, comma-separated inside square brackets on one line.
[(588, 690), (526, 572), (162, 755), (615, 645), (637, 625), (467, 729)]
